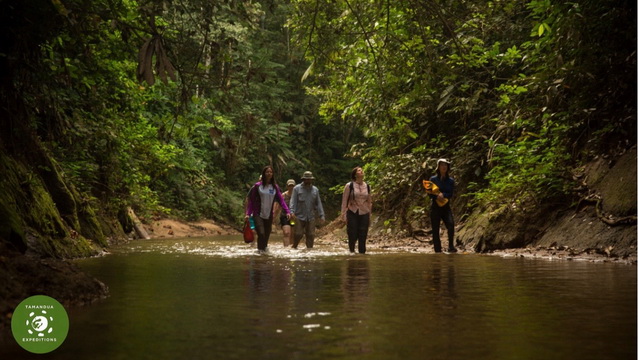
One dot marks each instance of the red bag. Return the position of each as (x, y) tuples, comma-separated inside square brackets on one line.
[(248, 233)]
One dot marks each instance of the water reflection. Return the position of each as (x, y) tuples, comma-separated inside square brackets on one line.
[(263, 276), (442, 282), (355, 283), (216, 298), (356, 308)]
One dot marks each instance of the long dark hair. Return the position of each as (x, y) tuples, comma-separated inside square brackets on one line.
[(353, 174), (273, 182)]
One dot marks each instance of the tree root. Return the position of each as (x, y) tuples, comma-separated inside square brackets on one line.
[(596, 199)]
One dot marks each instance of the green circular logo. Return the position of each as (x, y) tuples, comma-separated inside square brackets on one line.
[(40, 324)]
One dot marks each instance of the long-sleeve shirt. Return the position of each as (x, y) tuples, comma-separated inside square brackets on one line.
[(446, 186), (361, 202), (253, 208), (304, 201)]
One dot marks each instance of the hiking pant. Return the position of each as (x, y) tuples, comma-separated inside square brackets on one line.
[(437, 214), (302, 228), (357, 230), (263, 227)]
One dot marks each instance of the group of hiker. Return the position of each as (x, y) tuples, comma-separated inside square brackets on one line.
[(299, 208)]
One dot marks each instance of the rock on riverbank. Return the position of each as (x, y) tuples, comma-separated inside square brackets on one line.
[(22, 276)]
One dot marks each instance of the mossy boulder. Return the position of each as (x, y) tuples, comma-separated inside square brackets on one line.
[(615, 182), (502, 228), (565, 226), (31, 220)]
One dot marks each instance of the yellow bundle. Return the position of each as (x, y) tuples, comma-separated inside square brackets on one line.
[(431, 188)]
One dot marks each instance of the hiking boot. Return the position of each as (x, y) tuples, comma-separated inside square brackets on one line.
[(452, 250)]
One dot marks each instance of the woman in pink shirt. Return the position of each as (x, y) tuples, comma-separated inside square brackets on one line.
[(356, 206)]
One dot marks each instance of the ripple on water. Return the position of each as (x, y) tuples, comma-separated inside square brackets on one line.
[(208, 247)]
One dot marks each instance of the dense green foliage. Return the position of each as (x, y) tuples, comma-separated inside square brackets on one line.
[(517, 94), (172, 107), (175, 106)]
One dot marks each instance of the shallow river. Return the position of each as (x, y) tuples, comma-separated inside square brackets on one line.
[(216, 298)]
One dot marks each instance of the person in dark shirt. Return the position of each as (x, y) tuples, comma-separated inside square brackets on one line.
[(445, 183)]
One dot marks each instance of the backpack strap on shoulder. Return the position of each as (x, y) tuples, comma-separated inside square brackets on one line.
[(352, 190), (351, 195)]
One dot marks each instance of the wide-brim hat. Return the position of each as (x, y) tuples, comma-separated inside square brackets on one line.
[(291, 182), (307, 175), (438, 162)]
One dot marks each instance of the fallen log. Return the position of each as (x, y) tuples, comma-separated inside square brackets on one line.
[(137, 225)]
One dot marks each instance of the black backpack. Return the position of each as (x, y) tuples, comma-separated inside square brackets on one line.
[(352, 190)]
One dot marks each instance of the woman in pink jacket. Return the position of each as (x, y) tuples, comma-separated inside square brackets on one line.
[(356, 206), (261, 198)]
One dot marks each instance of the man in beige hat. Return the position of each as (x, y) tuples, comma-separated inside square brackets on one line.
[(305, 201)]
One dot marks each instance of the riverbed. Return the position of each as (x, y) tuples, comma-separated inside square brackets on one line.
[(218, 298)]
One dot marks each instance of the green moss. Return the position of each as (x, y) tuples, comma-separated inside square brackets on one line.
[(65, 197), (618, 187), (90, 226), (43, 212), (11, 227), (29, 215)]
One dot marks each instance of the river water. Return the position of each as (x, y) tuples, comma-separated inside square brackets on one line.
[(217, 298)]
